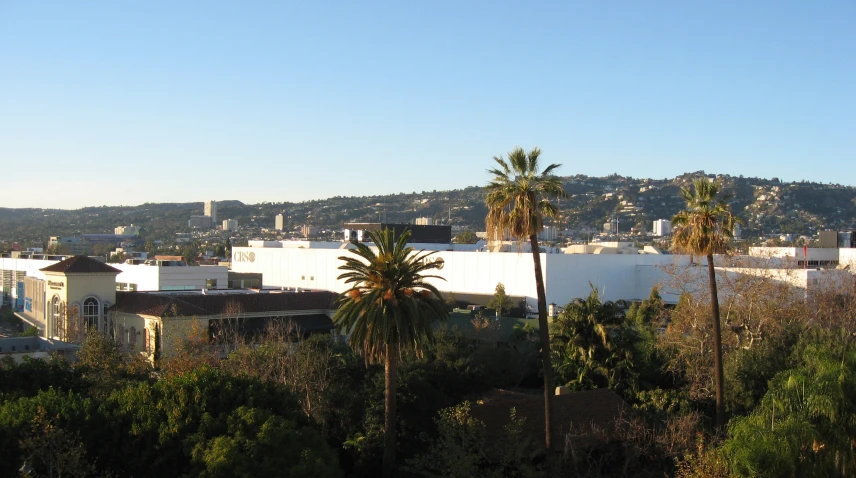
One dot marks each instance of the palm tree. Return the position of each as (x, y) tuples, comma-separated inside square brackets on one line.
[(518, 201), (388, 310), (705, 228)]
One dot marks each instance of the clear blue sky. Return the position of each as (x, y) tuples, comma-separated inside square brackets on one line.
[(106, 103)]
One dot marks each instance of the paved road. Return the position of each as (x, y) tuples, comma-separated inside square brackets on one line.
[(7, 329)]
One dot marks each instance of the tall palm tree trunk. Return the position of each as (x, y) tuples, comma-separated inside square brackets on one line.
[(544, 332), (389, 412), (717, 344)]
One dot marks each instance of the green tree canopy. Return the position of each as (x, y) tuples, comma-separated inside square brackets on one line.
[(500, 301), (466, 237)]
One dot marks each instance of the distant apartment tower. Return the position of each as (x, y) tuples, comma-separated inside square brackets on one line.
[(201, 222), (548, 233), (131, 230), (662, 227), (230, 225), (280, 222), (309, 231), (424, 221), (211, 210)]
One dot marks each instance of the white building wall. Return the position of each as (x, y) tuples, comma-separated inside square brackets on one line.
[(847, 257), (146, 277), (566, 276), (615, 276), (153, 278), (796, 253), (662, 227), (30, 268)]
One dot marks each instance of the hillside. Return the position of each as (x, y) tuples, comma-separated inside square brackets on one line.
[(766, 206)]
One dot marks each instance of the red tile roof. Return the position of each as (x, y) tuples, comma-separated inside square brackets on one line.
[(81, 264)]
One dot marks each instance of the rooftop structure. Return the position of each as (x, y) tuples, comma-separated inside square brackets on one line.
[(33, 347), (429, 234)]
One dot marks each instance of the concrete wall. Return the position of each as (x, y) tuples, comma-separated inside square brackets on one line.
[(797, 253)]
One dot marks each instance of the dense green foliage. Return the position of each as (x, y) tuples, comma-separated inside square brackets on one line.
[(805, 423)]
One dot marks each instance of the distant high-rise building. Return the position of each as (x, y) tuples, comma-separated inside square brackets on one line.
[(230, 225), (424, 221), (309, 231), (211, 209), (662, 227), (548, 233), (280, 222)]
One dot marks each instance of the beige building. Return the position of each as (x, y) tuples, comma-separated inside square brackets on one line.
[(79, 293), (309, 231), (230, 225), (159, 321), (74, 296)]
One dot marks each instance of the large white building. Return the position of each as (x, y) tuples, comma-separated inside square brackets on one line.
[(314, 266), (662, 227)]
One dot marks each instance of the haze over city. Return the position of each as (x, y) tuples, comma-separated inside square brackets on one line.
[(109, 103)]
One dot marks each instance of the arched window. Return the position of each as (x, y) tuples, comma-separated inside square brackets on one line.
[(91, 313), (132, 336), (58, 317)]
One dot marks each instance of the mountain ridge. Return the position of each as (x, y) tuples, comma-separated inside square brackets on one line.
[(766, 206)]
